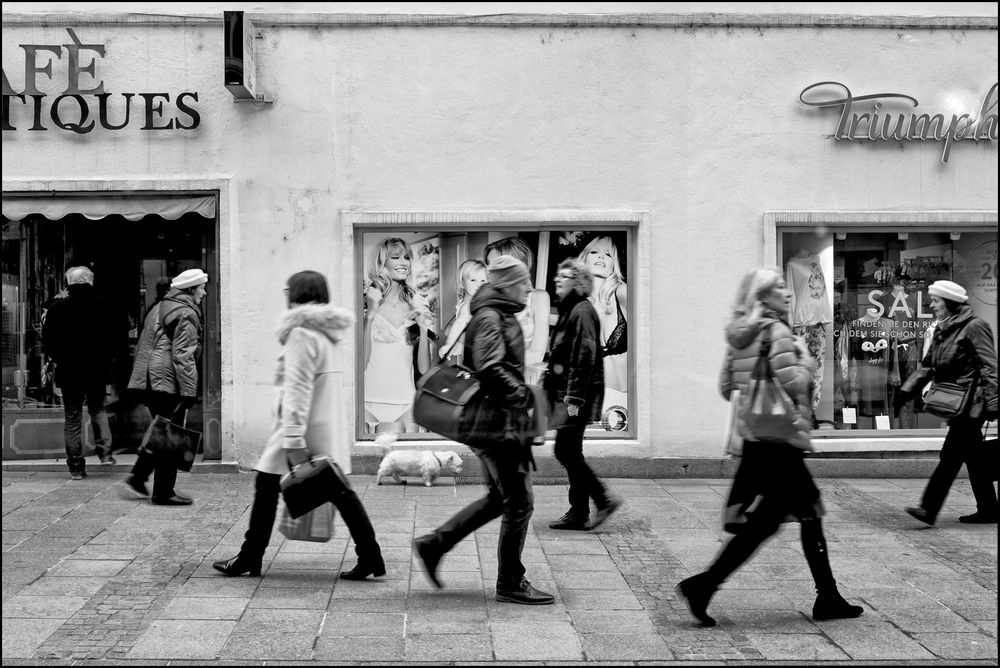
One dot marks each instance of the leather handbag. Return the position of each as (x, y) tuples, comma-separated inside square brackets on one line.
[(307, 486), (450, 401), (166, 438), (948, 400), (315, 526), (766, 412)]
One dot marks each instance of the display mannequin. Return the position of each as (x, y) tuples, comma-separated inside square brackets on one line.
[(811, 310), (872, 358)]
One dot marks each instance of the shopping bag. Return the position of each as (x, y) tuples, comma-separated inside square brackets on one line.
[(991, 449), (766, 412), (315, 526), (309, 485), (732, 442), (165, 438)]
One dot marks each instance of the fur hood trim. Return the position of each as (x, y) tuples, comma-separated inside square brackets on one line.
[(331, 320)]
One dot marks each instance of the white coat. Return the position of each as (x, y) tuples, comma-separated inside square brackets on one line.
[(309, 403)]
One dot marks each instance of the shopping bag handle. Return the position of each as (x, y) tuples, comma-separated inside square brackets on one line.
[(180, 406)]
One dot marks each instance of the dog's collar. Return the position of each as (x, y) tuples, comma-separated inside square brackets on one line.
[(438, 460)]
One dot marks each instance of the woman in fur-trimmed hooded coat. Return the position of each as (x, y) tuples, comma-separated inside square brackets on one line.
[(309, 423)]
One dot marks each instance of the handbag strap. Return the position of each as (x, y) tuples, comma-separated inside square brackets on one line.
[(173, 414)]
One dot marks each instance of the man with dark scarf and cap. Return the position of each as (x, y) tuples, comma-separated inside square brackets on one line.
[(494, 349)]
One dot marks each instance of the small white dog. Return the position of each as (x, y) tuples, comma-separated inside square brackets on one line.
[(427, 465)]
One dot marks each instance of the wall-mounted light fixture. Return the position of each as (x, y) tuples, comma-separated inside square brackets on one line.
[(902, 236), (841, 236), (955, 236)]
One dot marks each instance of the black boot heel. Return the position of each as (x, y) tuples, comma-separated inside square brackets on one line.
[(237, 566), (363, 570)]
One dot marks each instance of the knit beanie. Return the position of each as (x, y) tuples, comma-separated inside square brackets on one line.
[(506, 270), (949, 290), (189, 279)]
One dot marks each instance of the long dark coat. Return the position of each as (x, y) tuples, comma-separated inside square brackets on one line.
[(83, 334), (575, 373)]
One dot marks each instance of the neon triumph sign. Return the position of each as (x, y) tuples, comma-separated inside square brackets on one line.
[(74, 107), (879, 125)]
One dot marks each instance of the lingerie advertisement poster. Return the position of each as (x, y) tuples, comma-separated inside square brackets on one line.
[(416, 291)]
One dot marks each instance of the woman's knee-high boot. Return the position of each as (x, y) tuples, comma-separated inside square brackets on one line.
[(829, 603)]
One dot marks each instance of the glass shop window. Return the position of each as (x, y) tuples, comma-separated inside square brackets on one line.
[(413, 303), (860, 302)]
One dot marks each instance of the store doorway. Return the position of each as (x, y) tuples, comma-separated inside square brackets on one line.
[(127, 258)]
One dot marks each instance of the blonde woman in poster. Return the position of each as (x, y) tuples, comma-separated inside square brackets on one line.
[(534, 319), (610, 299), (396, 319)]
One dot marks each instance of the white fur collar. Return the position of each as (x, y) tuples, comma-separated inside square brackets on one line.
[(332, 320)]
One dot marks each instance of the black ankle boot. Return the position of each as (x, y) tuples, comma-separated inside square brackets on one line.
[(238, 566), (364, 569), (697, 590), (833, 606)]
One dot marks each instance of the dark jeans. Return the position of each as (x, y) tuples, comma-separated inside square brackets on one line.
[(962, 445), (508, 494), (73, 400), (165, 404), (265, 507), (583, 484)]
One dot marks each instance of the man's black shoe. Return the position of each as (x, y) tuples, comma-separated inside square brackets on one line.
[(522, 592), (569, 522), (134, 488), (613, 503), (175, 500), (920, 514), (77, 475), (979, 518), (429, 557), (108, 459)]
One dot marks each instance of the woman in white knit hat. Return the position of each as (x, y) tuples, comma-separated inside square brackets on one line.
[(166, 372), (962, 353)]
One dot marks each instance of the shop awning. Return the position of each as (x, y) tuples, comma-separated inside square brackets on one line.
[(96, 206)]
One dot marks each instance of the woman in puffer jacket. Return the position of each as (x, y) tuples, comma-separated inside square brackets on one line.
[(309, 423), (962, 352), (772, 484)]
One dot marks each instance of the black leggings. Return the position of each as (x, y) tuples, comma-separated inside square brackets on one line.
[(265, 508)]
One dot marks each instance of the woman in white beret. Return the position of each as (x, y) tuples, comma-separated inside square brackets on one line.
[(166, 372), (962, 354)]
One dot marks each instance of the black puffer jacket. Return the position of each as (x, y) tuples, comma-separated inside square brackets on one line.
[(83, 334), (494, 348), (576, 372), (961, 352)]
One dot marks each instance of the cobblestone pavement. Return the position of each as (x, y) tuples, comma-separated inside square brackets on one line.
[(91, 578)]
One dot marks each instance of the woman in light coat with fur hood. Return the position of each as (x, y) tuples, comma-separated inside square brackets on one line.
[(309, 423), (772, 484)]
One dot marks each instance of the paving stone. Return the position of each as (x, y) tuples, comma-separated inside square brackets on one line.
[(444, 647), (21, 637), (64, 586), (865, 640), (178, 639), (364, 624), (42, 607), (377, 650), (611, 621), (950, 646), (268, 646), (204, 608), (604, 647), (520, 641), (446, 622)]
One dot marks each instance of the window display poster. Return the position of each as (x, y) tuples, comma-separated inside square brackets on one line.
[(416, 288)]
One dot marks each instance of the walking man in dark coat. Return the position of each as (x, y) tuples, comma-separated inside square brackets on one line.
[(494, 349), (83, 334)]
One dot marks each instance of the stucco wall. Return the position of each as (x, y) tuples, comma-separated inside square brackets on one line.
[(701, 128)]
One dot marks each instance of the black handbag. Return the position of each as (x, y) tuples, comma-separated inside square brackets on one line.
[(450, 401), (166, 438), (309, 485), (948, 400)]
